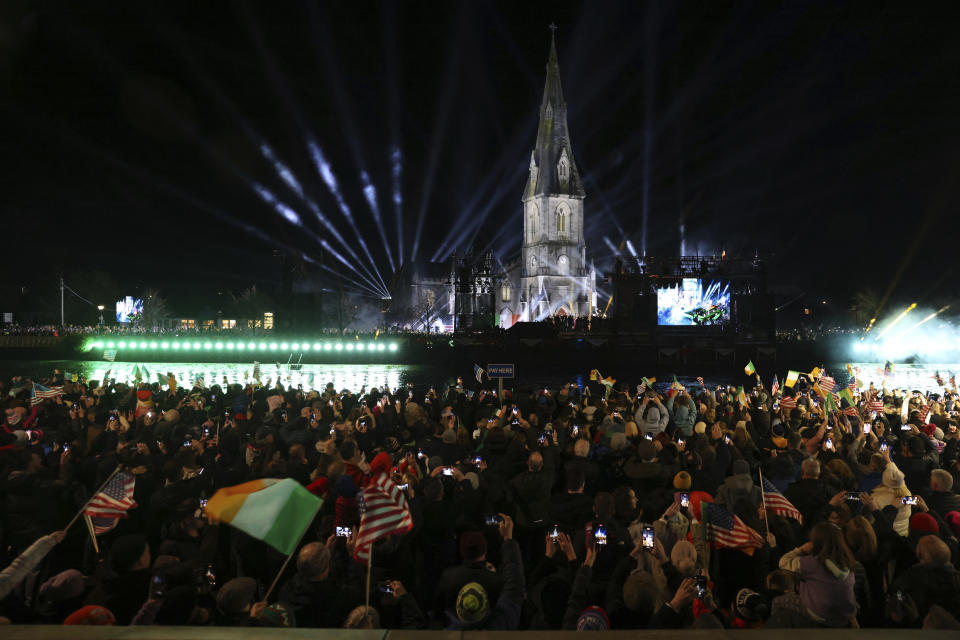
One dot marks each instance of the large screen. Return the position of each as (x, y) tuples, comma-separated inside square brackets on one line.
[(128, 307), (691, 303)]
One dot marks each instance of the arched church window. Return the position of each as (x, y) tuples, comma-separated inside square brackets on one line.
[(563, 167), (533, 221), (563, 218), (505, 292), (533, 265), (563, 265)]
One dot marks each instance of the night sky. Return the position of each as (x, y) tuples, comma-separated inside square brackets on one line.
[(824, 135)]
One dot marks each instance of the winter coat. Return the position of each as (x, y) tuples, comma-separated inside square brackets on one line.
[(652, 418), (505, 614), (683, 416), (827, 590), (885, 496), (532, 492)]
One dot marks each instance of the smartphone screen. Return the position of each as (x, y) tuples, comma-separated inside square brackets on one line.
[(685, 500), (648, 537)]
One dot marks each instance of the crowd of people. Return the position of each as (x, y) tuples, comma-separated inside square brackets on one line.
[(566, 508)]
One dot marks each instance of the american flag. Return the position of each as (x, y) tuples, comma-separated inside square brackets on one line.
[(774, 386), (850, 411), (875, 405), (383, 512), (39, 393), (788, 402), (923, 413), (777, 503), (112, 502), (728, 530), (852, 384), (828, 384)]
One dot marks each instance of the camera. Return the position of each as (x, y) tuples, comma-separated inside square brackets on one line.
[(911, 500), (685, 500), (493, 520), (866, 427), (344, 532), (477, 460), (648, 538), (853, 496), (542, 439), (575, 431), (884, 446), (386, 588), (448, 471), (829, 443), (555, 533), (421, 455), (405, 486)]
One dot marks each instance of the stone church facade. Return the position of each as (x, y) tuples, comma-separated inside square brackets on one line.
[(552, 276)]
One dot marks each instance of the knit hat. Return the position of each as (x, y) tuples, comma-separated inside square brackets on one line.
[(700, 427), (683, 557), (682, 481), (126, 550), (63, 586), (277, 615), (593, 619), (925, 523), (91, 614), (892, 477), (449, 437), (234, 596), (750, 606), (741, 467), (472, 545), (472, 603)]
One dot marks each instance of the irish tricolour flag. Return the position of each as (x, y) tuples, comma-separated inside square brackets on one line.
[(272, 510)]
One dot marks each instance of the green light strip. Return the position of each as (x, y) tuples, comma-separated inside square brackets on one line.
[(206, 345)]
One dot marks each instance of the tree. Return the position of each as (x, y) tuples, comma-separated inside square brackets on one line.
[(342, 312), (155, 312), (866, 304), (251, 304)]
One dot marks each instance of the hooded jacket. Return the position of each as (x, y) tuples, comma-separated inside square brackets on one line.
[(826, 589), (652, 418), (886, 495), (683, 416), (739, 487)]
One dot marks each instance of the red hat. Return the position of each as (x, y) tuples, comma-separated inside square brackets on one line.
[(382, 463), (928, 429), (924, 522), (91, 614)]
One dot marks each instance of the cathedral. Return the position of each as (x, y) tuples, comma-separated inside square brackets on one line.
[(552, 276)]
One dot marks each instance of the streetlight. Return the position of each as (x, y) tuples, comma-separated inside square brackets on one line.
[(100, 309)]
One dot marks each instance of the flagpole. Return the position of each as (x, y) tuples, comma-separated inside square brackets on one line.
[(92, 496), (369, 571), (290, 555), (93, 535), (763, 497)]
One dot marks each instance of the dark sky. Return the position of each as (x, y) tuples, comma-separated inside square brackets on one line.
[(823, 134)]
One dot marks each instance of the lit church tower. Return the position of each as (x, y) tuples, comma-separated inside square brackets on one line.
[(555, 278)]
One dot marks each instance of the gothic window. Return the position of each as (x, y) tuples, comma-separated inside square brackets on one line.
[(563, 168), (563, 218), (505, 292), (533, 222), (533, 265), (563, 265), (431, 298)]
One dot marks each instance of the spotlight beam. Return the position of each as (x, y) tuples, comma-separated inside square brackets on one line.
[(927, 319), (324, 51), (900, 317)]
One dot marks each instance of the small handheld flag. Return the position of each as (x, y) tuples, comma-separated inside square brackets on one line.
[(750, 369), (478, 372), (792, 378)]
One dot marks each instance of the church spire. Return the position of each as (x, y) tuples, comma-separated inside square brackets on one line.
[(556, 172)]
